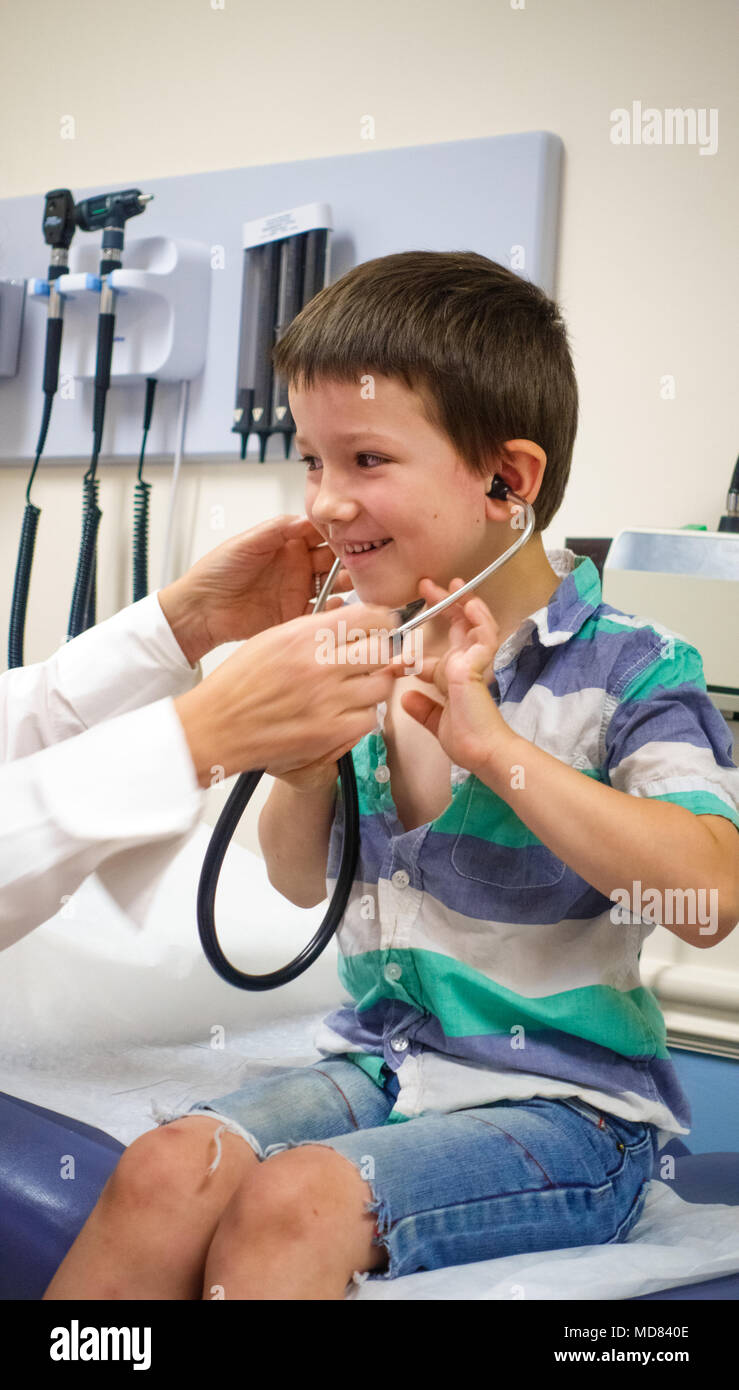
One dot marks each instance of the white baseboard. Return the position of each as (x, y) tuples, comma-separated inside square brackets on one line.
[(700, 1004)]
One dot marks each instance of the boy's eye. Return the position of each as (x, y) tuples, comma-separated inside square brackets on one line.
[(310, 460)]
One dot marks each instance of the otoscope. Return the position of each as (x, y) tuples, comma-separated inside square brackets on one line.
[(730, 520), (58, 227), (248, 781), (109, 211)]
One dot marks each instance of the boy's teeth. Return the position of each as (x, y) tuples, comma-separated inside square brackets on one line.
[(364, 545)]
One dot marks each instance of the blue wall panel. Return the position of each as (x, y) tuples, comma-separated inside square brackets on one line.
[(485, 195)]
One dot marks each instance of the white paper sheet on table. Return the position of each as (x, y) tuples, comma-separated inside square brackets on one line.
[(674, 1242), (99, 1019)]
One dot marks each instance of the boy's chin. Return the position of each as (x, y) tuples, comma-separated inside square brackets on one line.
[(388, 594)]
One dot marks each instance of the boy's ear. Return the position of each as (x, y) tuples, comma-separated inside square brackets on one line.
[(521, 467)]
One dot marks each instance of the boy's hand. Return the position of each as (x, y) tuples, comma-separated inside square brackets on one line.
[(468, 725)]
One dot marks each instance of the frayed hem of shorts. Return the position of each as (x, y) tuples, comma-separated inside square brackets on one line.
[(377, 1207), (164, 1115)]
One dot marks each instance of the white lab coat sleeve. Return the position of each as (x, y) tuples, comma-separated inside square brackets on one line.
[(119, 800), (96, 774), (127, 661)]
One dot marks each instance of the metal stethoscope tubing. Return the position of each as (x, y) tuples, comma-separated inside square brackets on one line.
[(247, 783)]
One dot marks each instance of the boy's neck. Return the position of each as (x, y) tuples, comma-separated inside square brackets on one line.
[(519, 588)]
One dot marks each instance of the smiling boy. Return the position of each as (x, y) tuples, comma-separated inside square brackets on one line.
[(497, 1081), (504, 810)]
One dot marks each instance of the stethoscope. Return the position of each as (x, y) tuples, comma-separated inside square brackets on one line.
[(246, 785)]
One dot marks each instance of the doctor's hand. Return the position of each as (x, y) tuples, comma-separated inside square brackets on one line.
[(253, 581), (289, 697), (467, 723)]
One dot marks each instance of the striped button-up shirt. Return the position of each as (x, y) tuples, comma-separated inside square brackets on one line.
[(481, 967)]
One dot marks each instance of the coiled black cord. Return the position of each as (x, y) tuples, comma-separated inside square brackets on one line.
[(82, 612), (141, 540), (215, 854), (21, 585), (141, 508), (91, 610), (27, 544)]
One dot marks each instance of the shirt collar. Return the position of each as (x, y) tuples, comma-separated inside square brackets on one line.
[(575, 599)]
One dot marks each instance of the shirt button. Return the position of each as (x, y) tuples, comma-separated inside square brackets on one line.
[(398, 1044), (400, 879), (382, 773), (393, 972)]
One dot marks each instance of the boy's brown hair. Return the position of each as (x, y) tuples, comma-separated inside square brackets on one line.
[(486, 350)]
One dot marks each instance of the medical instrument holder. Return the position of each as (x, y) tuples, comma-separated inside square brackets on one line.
[(12, 298), (248, 781), (286, 263), (155, 312), (162, 309)]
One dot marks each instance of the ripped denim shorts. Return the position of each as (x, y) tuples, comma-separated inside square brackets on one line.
[(453, 1188)]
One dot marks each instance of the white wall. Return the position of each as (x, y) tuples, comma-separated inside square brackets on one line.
[(648, 266)]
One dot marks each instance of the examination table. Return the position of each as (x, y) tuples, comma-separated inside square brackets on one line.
[(107, 1016)]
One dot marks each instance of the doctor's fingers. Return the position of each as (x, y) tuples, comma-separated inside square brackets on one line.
[(367, 690), (363, 655), (365, 726), (309, 738)]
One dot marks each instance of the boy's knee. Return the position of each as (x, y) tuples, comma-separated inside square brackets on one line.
[(298, 1190), (311, 1195), (167, 1164)]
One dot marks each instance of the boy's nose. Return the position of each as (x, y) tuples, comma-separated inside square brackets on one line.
[(333, 507)]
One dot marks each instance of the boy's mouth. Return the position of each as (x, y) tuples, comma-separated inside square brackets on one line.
[(355, 553)]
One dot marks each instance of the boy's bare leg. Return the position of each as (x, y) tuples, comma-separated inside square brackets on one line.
[(297, 1229), (148, 1235)]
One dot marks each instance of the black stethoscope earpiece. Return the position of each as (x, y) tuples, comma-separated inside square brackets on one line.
[(498, 488)]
